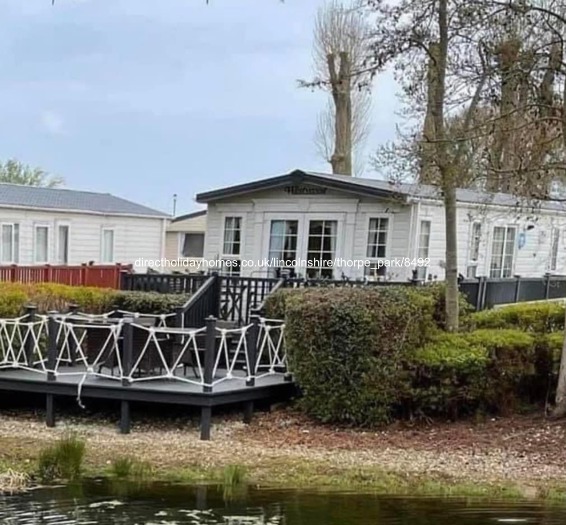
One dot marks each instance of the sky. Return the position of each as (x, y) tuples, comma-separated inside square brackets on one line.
[(148, 98)]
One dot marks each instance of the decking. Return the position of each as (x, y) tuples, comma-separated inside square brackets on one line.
[(133, 358)]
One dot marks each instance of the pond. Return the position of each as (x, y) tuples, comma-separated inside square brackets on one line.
[(106, 502)]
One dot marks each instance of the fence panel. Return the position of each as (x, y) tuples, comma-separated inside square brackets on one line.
[(186, 284)]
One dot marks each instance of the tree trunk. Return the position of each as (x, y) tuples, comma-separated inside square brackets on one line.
[(452, 293), (428, 172), (560, 401), (341, 82)]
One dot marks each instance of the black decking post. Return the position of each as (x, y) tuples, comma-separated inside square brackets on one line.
[(127, 352), (51, 364), (31, 317), (209, 353), (125, 280), (127, 357), (73, 309), (209, 360), (517, 288), (52, 329), (252, 343), (178, 338)]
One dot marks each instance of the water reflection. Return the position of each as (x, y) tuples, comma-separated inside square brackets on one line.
[(111, 502)]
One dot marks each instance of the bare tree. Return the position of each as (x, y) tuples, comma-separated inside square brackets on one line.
[(340, 51)]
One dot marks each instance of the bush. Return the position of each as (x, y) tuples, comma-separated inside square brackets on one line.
[(347, 347), (64, 460), (449, 377), (130, 468), (149, 302), (540, 317)]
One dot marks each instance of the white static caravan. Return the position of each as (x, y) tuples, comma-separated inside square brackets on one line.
[(312, 218), (68, 227)]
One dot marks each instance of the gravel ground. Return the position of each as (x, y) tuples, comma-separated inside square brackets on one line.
[(528, 451)]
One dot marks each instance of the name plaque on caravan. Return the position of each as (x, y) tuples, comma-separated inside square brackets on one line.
[(305, 190)]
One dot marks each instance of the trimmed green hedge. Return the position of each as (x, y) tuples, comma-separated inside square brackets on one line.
[(14, 297), (347, 348), (540, 317)]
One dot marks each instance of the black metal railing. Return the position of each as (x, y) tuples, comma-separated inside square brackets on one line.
[(162, 283), (204, 303)]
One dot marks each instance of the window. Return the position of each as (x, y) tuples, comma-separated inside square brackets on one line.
[(232, 246), (377, 245), (474, 250), (41, 245), (10, 243), (321, 249), (193, 245), (232, 236), (107, 255), (63, 244), (377, 238), (423, 248), (555, 242), (502, 252), (283, 245)]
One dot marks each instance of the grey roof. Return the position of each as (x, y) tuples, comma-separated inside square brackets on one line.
[(17, 195), (378, 188), (191, 215)]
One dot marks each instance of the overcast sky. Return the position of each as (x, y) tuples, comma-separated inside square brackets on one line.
[(146, 98)]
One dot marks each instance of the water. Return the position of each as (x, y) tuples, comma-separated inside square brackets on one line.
[(107, 502)]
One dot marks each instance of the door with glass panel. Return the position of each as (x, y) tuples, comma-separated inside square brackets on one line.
[(321, 248), (283, 242)]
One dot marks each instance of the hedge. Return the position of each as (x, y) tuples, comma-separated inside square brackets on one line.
[(347, 349), (14, 297), (539, 317)]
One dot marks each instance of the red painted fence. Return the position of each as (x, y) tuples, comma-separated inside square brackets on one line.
[(101, 276)]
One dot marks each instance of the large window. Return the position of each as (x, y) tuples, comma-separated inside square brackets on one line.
[(41, 245), (502, 252), (321, 249), (107, 255), (474, 250), (555, 243), (193, 245), (10, 243), (423, 251), (283, 245), (63, 244), (232, 245)]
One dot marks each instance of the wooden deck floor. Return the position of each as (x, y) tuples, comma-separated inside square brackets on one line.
[(169, 391)]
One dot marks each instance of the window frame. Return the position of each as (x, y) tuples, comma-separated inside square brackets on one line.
[(473, 264), (48, 240), (317, 272), (371, 262), (58, 242), (506, 227), (182, 236), (422, 270), (15, 252), (235, 268), (103, 230)]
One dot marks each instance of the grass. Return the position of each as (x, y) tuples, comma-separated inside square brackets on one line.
[(126, 467), (63, 460)]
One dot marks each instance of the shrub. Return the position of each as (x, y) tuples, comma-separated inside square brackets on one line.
[(64, 460), (540, 317), (449, 377), (347, 347), (130, 468), (148, 302)]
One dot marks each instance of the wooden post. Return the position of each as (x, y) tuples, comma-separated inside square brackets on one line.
[(73, 309), (517, 288), (125, 417), (547, 286), (252, 343), (52, 329), (29, 347), (205, 423), (248, 412), (127, 354), (209, 353), (50, 410)]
